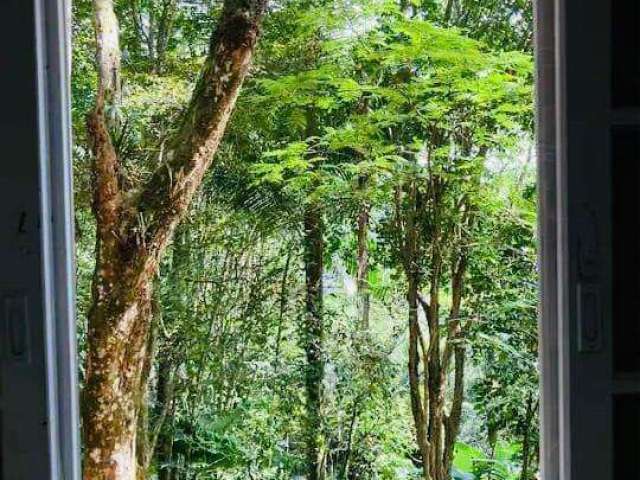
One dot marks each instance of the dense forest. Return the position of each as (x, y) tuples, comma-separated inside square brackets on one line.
[(306, 239)]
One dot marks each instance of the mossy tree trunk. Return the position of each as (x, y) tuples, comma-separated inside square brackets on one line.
[(135, 227), (418, 380), (313, 338)]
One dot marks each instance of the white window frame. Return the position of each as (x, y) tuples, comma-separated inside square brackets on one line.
[(53, 44), (545, 52), (575, 384)]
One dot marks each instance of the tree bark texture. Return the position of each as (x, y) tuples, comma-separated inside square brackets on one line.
[(418, 384), (135, 227), (313, 338), (364, 296)]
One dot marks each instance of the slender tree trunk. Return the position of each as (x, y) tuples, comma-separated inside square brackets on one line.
[(436, 424), (452, 422), (455, 348), (492, 440), (313, 338), (448, 13), (151, 35), (418, 399), (133, 231), (164, 408), (169, 359), (364, 295), (526, 440), (156, 33), (437, 375), (352, 428), (417, 385), (283, 306)]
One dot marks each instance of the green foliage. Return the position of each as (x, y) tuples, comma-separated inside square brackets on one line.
[(505, 302), (347, 101), (503, 24), (474, 464)]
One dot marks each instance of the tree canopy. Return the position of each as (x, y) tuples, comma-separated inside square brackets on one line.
[(340, 282)]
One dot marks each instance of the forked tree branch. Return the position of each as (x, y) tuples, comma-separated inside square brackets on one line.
[(108, 54), (164, 200), (190, 152), (454, 329)]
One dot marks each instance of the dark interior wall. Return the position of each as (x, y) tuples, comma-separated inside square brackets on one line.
[(625, 151), (23, 406)]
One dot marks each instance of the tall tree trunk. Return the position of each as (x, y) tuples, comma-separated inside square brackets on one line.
[(417, 385), (151, 421), (436, 415), (364, 295), (419, 400), (313, 338), (454, 348), (344, 475), (437, 375), (283, 307), (132, 234), (453, 420)]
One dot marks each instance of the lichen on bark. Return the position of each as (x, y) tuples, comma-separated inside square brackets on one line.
[(127, 257)]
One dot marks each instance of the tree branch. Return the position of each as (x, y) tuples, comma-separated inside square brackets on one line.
[(452, 421), (107, 198), (165, 199), (108, 55), (454, 331)]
